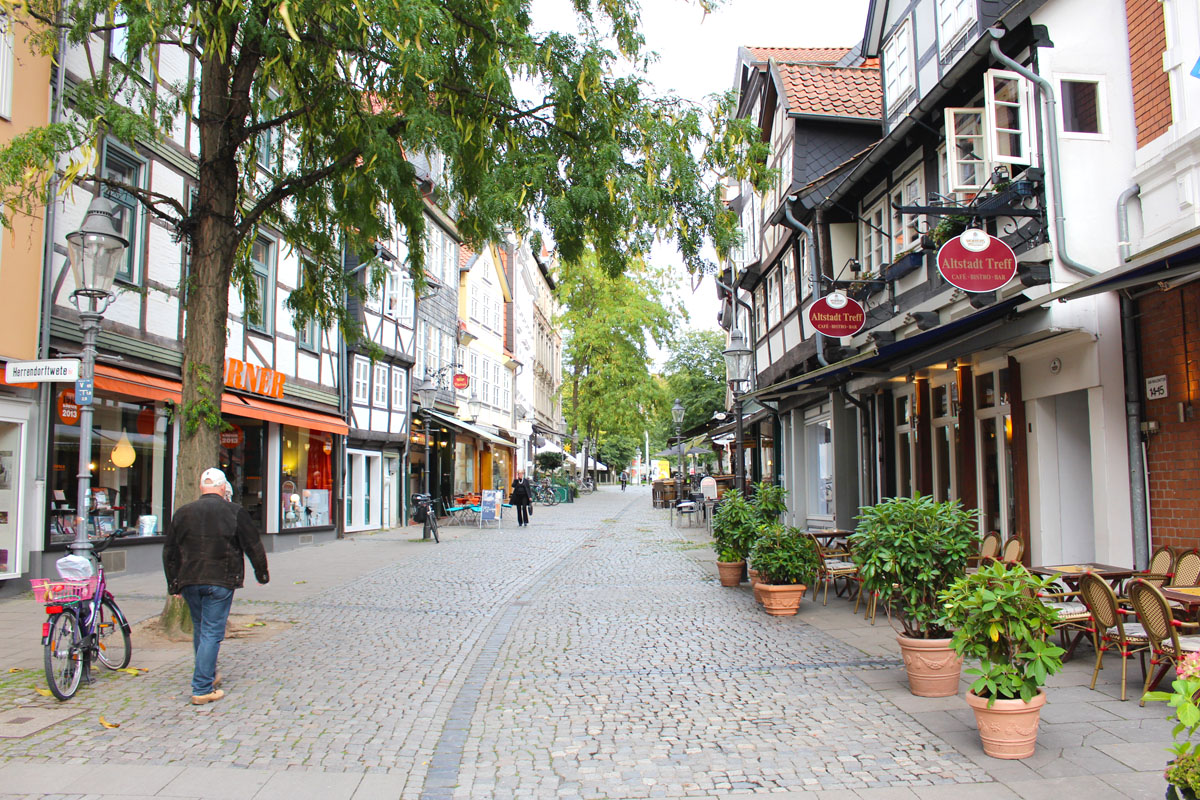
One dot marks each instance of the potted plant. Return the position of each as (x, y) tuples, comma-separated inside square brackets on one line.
[(786, 561), (734, 528), (908, 550), (1183, 772), (999, 620)]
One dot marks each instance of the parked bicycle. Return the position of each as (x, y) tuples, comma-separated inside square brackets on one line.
[(85, 624), (587, 486), (424, 512), (545, 494)]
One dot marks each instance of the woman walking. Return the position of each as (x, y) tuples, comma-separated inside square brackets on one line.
[(522, 499)]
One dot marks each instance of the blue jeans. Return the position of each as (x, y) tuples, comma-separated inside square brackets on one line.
[(210, 609)]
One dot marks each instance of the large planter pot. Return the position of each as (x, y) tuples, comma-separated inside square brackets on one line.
[(1009, 728), (730, 572), (783, 600), (753, 575), (933, 668)]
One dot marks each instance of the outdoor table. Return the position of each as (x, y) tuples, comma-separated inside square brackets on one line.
[(827, 537), (1071, 573), (1186, 596)]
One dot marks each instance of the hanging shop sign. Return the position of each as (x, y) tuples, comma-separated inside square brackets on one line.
[(233, 438), (977, 262), (68, 412), (249, 378), (461, 380), (837, 315)]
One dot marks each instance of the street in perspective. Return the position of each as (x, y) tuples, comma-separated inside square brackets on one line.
[(592, 654)]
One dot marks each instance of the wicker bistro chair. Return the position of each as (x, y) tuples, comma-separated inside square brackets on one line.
[(1109, 629), (1187, 569), (1162, 631), (1161, 568), (989, 549), (1013, 551), (831, 569), (1074, 619)]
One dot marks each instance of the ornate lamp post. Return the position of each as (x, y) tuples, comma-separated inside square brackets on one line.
[(96, 252), (738, 363), (426, 396), (474, 406), (677, 412)]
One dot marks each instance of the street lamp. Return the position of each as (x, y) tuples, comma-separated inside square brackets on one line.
[(474, 405), (96, 251), (677, 412), (738, 364)]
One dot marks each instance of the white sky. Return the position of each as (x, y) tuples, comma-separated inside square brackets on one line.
[(697, 57)]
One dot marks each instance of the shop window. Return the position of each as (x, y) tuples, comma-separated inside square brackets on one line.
[(1081, 109), (945, 440), (818, 444), (259, 307), (906, 445), (243, 457), (954, 17), (130, 467), (362, 378), (306, 478), (773, 310), (380, 399), (997, 500), (124, 168), (11, 449), (464, 467), (898, 72)]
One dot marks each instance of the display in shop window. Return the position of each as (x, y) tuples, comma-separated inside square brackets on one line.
[(306, 482)]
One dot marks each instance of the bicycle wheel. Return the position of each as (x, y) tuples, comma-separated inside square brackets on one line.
[(433, 525), (113, 647), (64, 656), (546, 497)]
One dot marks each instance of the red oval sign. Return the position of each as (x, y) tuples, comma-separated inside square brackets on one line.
[(68, 412), (461, 380), (233, 438), (837, 315), (977, 262)]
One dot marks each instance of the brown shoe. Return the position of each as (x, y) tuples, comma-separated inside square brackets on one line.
[(211, 697), (217, 680)]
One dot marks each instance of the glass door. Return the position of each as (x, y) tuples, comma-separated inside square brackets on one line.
[(944, 396), (905, 443), (997, 503)]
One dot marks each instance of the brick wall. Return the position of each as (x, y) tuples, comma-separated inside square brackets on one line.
[(1151, 87), (1169, 328)]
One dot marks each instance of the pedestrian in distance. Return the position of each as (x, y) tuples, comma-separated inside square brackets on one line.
[(204, 556), (522, 499), (624, 479)]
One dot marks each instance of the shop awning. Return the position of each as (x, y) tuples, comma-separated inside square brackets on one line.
[(153, 387), (469, 428)]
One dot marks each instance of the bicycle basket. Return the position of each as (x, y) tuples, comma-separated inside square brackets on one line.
[(59, 590)]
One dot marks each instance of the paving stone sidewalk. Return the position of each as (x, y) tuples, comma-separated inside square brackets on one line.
[(590, 655)]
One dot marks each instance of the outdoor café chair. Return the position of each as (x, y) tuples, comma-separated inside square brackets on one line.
[(1013, 550), (1161, 568), (989, 550), (831, 569), (1162, 631), (1109, 629)]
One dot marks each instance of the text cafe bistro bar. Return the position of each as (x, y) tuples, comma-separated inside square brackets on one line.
[(279, 452)]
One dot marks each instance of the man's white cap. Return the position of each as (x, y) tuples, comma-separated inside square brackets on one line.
[(212, 477)]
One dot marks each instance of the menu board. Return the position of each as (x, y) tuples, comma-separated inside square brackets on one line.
[(489, 505)]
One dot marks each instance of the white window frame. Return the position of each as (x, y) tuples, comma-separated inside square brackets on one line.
[(7, 66), (812, 472), (1022, 104), (875, 240), (907, 192), (362, 380), (1101, 106), (788, 283), (998, 415), (760, 309), (954, 17), (408, 300), (909, 429), (399, 401), (899, 69), (126, 203), (391, 294), (774, 310), (379, 398), (804, 269), (308, 334), (266, 325), (949, 383), (954, 162)]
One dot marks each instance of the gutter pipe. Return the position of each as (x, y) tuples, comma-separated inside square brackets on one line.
[(1050, 106), (1124, 245), (1138, 496), (797, 225)]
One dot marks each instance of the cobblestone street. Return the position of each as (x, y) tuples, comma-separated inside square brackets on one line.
[(589, 655)]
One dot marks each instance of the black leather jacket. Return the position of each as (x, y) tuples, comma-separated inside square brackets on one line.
[(205, 544)]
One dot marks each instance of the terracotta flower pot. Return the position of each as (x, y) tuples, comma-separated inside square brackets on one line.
[(753, 575), (1009, 728), (730, 572), (933, 668), (783, 600)]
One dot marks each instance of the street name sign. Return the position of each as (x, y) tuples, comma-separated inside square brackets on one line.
[(50, 370)]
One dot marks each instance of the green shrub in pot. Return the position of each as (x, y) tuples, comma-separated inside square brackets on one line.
[(784, 556), (734, 527), (769, 501), (908, 550)]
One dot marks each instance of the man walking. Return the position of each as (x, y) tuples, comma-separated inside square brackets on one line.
[(203, 558)]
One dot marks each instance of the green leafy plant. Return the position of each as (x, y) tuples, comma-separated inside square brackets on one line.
[(783, 555), (735, 526), (1184, 771), (769, 501), (948, 228), (908, 549), (998, 620)]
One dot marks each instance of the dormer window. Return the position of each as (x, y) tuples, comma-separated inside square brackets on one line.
[(954, 17)]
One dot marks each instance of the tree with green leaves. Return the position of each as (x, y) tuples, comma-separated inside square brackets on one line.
[(695, 373), (337, 95), (607, 325)]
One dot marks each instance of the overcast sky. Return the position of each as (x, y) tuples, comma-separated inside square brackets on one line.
[(697, 56)]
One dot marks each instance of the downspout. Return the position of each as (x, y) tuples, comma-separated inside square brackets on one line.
[(1124, 245), (796, 225), (1139, 510), (1052, 166)]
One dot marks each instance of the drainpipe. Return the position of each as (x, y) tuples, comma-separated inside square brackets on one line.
[(1124, 245), (1138, 501), (796, 225), (1052, 166)]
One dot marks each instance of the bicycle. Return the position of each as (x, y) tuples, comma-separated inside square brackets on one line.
[(424, 513), (85, 624), (587, 486), (545, 494)]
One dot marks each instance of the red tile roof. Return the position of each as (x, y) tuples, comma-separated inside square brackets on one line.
[(832, 91), (812, 55)]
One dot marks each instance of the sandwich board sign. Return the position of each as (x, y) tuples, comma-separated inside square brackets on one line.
[(489, 506)]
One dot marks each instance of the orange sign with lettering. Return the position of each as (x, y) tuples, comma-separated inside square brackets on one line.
[(249, 378), (68, 412)]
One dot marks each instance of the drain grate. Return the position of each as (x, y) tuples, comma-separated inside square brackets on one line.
[(18, 723)]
